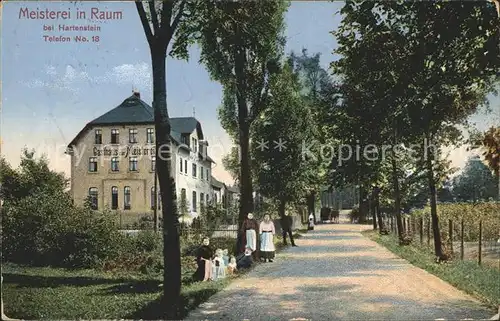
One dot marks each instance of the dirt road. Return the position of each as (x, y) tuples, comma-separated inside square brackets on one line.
[(337, 274)]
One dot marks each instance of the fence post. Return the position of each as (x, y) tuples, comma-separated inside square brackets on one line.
[(480, 241), (429, 231), (421, 223), (413, 225), (450, 234), (462, 239), (392, 225)]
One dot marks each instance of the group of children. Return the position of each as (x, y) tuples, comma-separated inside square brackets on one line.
[(215, 266)]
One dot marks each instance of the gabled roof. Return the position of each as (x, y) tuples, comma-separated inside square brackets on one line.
[(216, 183), (134, 111)]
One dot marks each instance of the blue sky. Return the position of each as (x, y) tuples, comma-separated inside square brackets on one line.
[(51, 90)]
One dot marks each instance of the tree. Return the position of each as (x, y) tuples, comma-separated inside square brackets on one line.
[(434, 64), (475, 183), (316, 87), (282, 173), (160, 21), (241, 44), (231, 163), (490, 144)]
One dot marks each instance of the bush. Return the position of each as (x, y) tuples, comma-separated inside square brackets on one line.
[(47, 229), (406, 239)]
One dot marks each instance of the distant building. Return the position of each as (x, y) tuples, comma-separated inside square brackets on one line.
[(113, 160), (225, 195)]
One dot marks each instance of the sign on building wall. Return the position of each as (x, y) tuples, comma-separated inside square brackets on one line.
[(124, 151)]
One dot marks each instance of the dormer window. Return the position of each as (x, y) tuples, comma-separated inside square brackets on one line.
[(184, 140)]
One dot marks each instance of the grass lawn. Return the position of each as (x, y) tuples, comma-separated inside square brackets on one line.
[(52, 293), (482, 282)]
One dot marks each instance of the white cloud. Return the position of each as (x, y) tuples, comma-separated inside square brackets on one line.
[(136, 75)]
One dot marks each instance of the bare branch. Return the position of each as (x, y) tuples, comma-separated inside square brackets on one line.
[(144, 21), (154, 16)]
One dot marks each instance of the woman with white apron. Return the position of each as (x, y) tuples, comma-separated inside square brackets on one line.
[(267, 231)]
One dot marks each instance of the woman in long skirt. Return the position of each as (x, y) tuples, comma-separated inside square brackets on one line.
[(267, 231)]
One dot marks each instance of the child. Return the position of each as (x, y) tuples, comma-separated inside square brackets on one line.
[(231, 267)]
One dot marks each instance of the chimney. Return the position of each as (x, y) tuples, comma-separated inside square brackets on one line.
[(137, 94)]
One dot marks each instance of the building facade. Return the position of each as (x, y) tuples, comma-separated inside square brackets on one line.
[(113, 160)]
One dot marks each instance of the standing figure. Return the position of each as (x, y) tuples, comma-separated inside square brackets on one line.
[(218, 266), (204, 260), (311, 222), (286, 226), (267, 231), (249, 230)]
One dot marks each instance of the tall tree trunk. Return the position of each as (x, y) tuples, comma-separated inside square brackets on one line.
[(281, 208), (372, 209), (363, 203), (171, 244), (377, 208), (311, 201), (497, 176), (397, 195), (246, 199), (433, 200)]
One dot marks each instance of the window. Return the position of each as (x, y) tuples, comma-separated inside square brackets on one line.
[(93, 164), (115, 136), (114, 164), (150, 134), (126, 198), (194, 145), (153, 163), (194, 201), (201, 172), (153, 198), (180, 164), (114, 198), (132, 164), (184, 140), (132, 136), (98, 137), (202, 198), (93, 196), (207, 199), (159, 200), (185, 166), (194, 170), (208, 175), (215, 198), (183, 194)]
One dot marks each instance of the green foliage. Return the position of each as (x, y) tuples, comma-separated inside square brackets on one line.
[(281, 170), (470, 213), (475, 183), (42, 226), (31, 177)]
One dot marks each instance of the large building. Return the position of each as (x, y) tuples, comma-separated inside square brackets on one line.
[(113, 160)]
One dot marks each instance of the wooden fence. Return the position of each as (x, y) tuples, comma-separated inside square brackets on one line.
[(462, 239)]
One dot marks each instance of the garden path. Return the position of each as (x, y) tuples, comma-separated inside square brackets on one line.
[(336, 273)]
